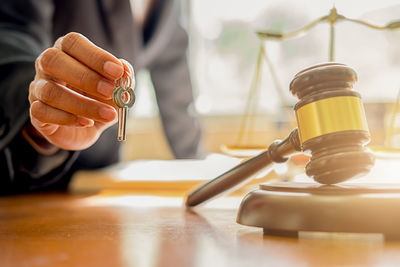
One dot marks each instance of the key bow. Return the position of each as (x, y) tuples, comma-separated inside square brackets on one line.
[(124, 98)]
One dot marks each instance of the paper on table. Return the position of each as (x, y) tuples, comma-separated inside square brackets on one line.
[(153, 174), (175, 170)]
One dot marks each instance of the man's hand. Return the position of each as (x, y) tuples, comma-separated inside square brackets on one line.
[(70, 96)]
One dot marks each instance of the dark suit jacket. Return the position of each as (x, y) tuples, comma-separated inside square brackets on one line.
[(27, 27)]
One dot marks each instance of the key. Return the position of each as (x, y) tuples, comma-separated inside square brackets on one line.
[(124, 98)]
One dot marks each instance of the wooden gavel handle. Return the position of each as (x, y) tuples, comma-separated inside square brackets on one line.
[(278, 151)]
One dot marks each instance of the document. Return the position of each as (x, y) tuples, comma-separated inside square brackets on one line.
[(145, 175)]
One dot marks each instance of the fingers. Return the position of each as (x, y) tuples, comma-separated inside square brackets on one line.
[(48, 115), (63, 106), (55, 63), (45, 129), (76, 61), (99, 60)]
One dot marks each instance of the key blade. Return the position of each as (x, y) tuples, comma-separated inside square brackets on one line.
[(122, 113)]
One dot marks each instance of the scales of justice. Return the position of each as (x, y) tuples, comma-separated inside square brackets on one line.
[(331, 127)]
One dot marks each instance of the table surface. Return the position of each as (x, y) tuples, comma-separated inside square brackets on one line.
[(110, 229)]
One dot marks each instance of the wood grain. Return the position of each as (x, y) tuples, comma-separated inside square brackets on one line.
[(134, 230)]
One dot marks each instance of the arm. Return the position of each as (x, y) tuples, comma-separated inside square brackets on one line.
[(69, 90), (24, 32), (170, 76)]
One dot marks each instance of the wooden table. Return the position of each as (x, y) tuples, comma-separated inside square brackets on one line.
[(135, 230)]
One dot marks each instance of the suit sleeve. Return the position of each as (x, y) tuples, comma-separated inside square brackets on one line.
[(170, 76), (25, 31)]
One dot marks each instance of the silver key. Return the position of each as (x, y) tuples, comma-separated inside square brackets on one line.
[(124, 98)]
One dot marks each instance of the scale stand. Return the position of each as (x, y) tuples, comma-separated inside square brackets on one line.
[(285, 209)]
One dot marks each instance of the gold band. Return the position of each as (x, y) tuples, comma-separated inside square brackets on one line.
[(330, 115)]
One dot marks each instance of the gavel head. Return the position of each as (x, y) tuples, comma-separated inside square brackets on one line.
[(331, 123)]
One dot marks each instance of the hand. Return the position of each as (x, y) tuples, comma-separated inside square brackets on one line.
[(70, 96)]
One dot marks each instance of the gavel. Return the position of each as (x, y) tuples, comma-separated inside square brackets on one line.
[(332, 127)]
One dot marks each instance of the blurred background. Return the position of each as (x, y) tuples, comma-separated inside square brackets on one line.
[(223, 54)]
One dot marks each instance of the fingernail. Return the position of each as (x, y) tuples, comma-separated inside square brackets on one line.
[(113, 69), (105, 88), (85, 122), (107, 113)]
